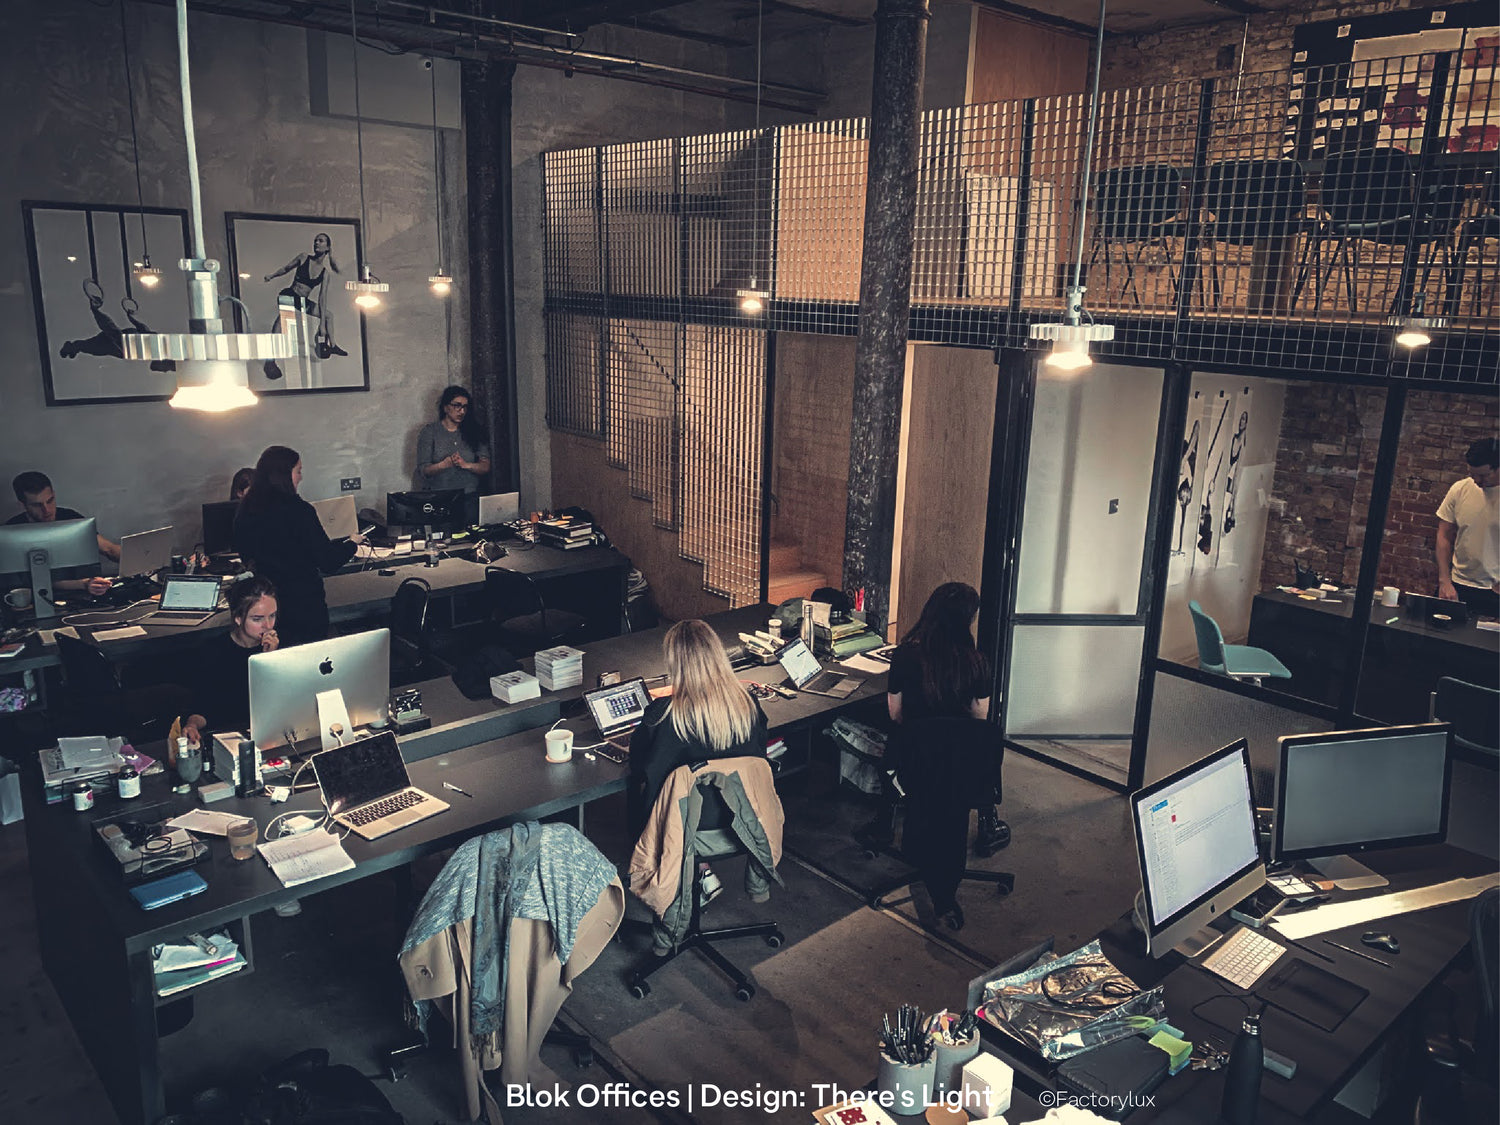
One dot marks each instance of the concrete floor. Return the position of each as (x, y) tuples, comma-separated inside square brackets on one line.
[(327, 978)]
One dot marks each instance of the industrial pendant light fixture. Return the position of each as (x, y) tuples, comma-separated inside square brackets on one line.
[(1415, 331), (145, 273), (1071, 338), (211, 363), (753, 300), (369, 289), (440, 282)]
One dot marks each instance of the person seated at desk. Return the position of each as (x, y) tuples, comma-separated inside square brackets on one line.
[(937, 671), (38, 501), (708, 715), (222, 683), (241, 484), (1468, 533)]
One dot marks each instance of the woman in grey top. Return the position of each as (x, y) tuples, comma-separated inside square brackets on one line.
[(451, 451)]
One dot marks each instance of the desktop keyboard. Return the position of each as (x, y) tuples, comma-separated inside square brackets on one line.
[(368, 814), (1242, 957)]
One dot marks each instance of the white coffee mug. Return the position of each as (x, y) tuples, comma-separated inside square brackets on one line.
[(559, 745), (1391, 595), (19, 598)]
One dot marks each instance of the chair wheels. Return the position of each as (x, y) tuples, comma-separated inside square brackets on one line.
[(640, 989), (1002, 888), (776, 940), (744, 992)]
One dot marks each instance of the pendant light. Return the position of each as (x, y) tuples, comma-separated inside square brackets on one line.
[(440, 282), (753, 300), (369, 289), (1415, 331), (211, 363), (1071, 338), (145, 273)]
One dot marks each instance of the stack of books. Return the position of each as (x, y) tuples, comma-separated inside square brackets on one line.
[(560, 667), (180, 967), (846, 638), (565, 533)]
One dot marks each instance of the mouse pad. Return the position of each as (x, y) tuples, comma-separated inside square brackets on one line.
[(1312, 994)]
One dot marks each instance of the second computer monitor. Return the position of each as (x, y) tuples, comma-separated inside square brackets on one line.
[(35, 551), (218, 526), (1195, 838), (284, 685), (440, 509)]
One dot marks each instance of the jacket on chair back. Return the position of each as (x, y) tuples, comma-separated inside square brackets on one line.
[(661, 867)]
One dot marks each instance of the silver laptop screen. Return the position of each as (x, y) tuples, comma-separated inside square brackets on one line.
[(190, 592), (800, 664), (618, 706), (360, 772)]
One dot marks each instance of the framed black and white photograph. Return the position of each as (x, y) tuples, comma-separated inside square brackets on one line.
[(290, 272), (87, 297)]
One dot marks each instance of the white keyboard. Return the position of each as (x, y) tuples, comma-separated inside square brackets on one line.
[(1242, 957)]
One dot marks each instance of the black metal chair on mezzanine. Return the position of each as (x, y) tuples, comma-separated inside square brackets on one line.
[(1136, 207), (1257, 203)]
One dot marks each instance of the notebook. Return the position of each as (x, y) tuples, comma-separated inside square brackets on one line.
[(617, 710), (808, 675), (186, 600), (1116, 1077), (366, 787)]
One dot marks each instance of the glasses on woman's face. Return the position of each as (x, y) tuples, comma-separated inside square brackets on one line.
[(458, 406)]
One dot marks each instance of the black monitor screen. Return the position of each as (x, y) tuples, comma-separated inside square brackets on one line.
[(218, 526), (440, 509)]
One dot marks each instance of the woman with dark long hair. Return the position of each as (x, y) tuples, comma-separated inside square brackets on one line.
[(451, 452), (241, 483), (280, 535), (937, 671)]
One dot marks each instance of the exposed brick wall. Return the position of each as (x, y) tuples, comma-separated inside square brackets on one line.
[(1435, 433)]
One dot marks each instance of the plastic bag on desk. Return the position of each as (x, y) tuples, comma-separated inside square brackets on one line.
[(1063, 1006)]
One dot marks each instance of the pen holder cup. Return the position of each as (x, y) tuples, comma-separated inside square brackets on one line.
[(948, 1062), (189, 764), (909, 1086)]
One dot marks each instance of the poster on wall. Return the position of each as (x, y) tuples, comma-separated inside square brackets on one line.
[(1189, 484), (290, 273), (87, 297), (1226, 549), (1211, 507)]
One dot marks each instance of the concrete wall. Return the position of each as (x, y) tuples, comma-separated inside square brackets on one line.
[(139, 465)]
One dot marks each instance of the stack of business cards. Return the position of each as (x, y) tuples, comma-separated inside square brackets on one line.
[(560, 667), (513, 687)]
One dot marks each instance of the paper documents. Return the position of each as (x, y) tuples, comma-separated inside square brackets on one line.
[(862, 663), (301, 859), (206, 823), (1337, 915)]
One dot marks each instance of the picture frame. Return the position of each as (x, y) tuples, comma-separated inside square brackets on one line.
[(275, 269), (85, 296)]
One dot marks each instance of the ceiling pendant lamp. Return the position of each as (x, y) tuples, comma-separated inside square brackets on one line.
[(441, 282), (143, 271), (1415, 331), (212, 374), (753, 300), (369, 290), (1071, 338)]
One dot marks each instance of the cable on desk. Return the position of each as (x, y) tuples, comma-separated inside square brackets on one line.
[(73, 618)]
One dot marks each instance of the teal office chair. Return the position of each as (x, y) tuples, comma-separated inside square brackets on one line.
[(1238, 662)]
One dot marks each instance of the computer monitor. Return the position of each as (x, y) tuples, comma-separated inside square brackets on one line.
[(1195, 838), (218, 526), (1361, 790), (145, 553), (338, 516), (35, 550), (284, 685), (440, 509)]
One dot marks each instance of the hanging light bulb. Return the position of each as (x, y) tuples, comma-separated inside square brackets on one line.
[(1414, 331), (147, 274), (753, 300), (440, 282), (368, 290), (212, 386)]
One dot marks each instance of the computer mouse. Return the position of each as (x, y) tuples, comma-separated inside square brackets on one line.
[(1381, 940)]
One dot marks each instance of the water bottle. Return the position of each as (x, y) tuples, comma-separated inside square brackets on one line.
[(1241, 1105)]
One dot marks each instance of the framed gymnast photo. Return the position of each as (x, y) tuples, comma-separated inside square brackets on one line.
[(290, 273), (87, 297)]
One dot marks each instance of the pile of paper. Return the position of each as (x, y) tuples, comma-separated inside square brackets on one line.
[(180, 967), (560, 667)]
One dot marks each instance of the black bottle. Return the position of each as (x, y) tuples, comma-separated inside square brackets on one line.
[(1241, 1105)]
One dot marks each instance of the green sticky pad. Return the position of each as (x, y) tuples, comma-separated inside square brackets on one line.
[(1179, 1051)]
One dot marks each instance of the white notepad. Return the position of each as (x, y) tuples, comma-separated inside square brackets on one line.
[(301, 859)]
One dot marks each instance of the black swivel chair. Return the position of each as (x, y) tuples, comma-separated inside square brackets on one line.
[(412, 658), (1252, 201), (1136, 207), (97, 703), (1460, 1081), (1474, 711), (948, 767), (519, 617)]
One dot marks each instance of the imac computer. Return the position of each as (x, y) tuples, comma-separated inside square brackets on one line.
[(145, 553), (218, 527), (284, 686), (1361, 790), (1195, 837), (337, 516), (36, 550), (441, 509)]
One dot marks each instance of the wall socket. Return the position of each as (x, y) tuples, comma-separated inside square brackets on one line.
[(348, 484)]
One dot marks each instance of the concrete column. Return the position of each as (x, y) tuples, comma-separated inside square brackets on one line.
[(492, 307), (884, 301)]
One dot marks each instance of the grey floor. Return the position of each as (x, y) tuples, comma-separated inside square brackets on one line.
[(327, 978)]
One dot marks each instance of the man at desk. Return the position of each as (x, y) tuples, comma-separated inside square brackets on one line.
[(39, 505), (1468, 533)]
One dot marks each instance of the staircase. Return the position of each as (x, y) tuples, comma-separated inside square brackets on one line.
[(788, 576)]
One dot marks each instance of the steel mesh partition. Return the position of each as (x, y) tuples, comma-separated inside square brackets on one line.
[(570, 218), (820, 216), (575, 396), (641, 218), (728, 215), (641, 384)]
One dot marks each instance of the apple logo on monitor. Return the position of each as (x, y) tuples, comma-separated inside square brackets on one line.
[(326, 668)]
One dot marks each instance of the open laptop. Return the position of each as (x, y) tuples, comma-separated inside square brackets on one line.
[(366, 787), (1435, 611), (218, 527), (808, 675), (186, 600), (338, 516), (503, 507), (145, 553), (617, 710)]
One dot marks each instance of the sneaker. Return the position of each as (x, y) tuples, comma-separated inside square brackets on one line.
[(709, 886), (993, 836), (288, 909)]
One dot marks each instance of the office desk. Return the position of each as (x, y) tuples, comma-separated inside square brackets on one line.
[(96, 943), (1431, 940)]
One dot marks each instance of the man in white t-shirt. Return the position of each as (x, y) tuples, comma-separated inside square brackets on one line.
[(1468, 534)]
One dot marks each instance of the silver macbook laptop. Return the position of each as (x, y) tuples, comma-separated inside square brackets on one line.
[(808, 675), (366, 787), (145, 552), (186, 600), (338, 516), (503, 507), (617, 710)]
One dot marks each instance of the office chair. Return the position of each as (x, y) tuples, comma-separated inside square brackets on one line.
[(673, 889), (1460, 1080), (519, 617), (97, 702), (1238, 662), (412, 658), (1252, 201), (1475, 232), (949, 766), (1474, 711), (1133, 207), (568, 870)]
